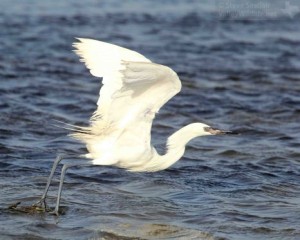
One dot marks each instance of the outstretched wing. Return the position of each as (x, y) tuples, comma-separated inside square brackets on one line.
[(105, 60), (133, 90)]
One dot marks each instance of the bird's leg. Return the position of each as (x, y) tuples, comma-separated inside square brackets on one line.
[(42, 201), (59, 158), (62, 177)]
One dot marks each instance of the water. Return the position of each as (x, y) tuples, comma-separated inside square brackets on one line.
[(240, 68)]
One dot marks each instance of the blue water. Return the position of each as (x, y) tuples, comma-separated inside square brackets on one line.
[(239, 62)]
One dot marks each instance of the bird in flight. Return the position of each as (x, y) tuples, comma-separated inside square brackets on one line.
[(119, 133)]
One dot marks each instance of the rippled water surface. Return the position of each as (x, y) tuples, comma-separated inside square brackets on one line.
[(240, 68)]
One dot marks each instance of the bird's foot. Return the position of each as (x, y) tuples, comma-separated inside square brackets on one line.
[(41, 205)]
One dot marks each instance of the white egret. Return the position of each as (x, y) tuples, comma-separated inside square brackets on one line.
[(133, 91)]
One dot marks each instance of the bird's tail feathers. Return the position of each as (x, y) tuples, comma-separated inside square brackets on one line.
[(78, 132)]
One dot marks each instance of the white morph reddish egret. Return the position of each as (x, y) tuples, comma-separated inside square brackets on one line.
[(133, 91)]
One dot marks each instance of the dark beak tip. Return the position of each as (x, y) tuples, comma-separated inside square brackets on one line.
[(231, 133)]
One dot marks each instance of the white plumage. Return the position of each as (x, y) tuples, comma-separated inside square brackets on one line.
[(133, 91)]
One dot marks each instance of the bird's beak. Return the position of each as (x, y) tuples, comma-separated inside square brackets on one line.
[(214, 131)]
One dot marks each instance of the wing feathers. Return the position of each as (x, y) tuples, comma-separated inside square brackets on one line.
[(133, 90), (101, 57)]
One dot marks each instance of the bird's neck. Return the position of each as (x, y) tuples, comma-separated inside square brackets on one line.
[(176, 146)]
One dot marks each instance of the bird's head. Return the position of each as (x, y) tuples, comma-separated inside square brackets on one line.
[(201, 129)]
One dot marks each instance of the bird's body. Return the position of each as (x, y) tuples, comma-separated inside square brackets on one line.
[(133, 91)]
